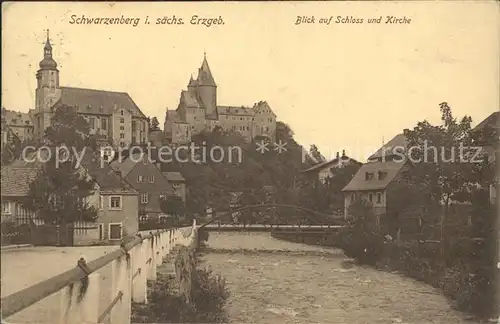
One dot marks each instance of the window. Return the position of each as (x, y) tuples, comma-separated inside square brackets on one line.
[(163, 196), (104, 123), (122, 120), (139, 178), (122, 135), (144, 198), (115, 202), (122, 144), (101, 202), (121, 112), (370, 197), (368, 175), (92, 122), (122, 127), (101, 231), (115, 231), (379, 197), (152, 179), (6, 207)]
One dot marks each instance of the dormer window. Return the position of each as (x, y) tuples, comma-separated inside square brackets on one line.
[(368, 175), (382, 175)]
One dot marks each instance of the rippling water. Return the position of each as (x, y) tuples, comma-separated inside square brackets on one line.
[(273, 281)]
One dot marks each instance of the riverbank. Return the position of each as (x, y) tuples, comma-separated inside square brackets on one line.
[(468, 285), (184, 292)]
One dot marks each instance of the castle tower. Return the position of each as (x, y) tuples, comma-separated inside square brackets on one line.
[(207, 89), (47, 90), (192, 85)]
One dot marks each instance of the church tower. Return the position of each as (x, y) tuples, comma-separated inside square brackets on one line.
[(47, 90), (207, 89)]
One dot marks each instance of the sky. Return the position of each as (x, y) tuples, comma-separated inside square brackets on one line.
[(339, 86)]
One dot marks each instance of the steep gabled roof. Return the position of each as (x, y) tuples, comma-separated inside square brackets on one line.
[(394, 146), (189, 99), (359, 182), (492, 121), (205, 76), (98, 102)]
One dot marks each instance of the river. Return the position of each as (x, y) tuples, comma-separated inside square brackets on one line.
[(273, 281)]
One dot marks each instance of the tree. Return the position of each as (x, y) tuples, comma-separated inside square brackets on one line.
[(59, 193), (154, 125), (172, 205), (442, 169)]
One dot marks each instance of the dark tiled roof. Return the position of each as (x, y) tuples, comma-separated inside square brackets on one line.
[(98, 102), (205, 76), (102, 173), (492, 121), (16, 118), (333, 162), (174, 176), (395, 145), (238, 111), (16, 181), (174, 116), (358, 182)]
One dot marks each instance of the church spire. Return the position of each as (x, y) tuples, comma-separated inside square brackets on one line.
[(48, 62)]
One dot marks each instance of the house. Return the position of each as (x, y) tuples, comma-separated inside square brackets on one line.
[(15, 187), (326, 170), (116, 202), (145, 177), (178, 183), (373, 179), (18, 124), (488, 130)]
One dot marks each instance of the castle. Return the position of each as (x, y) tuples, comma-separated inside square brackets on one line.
[(198, 111), (113, 116)]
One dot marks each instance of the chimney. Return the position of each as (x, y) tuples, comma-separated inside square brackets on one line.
[(158, 165), (343, 153), (338, 155)]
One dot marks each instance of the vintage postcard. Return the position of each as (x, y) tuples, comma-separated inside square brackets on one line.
[(250, 162)]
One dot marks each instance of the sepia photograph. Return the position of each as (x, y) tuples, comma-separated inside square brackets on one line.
[(250, 162)]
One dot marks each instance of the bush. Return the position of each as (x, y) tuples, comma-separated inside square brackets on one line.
[(166, 305)]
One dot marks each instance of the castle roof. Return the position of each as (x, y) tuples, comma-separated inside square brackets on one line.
[(233, 110), (189, 99), (205, 76), (174, 116), (98, 102)]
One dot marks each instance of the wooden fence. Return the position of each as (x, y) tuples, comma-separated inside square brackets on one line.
[(132, 265)]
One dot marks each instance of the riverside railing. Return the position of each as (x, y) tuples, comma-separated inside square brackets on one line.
[(132, 265)]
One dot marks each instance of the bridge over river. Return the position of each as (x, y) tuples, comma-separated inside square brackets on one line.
[(270, 281)]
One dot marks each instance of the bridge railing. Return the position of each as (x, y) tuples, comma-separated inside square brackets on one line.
[(132, 265)]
